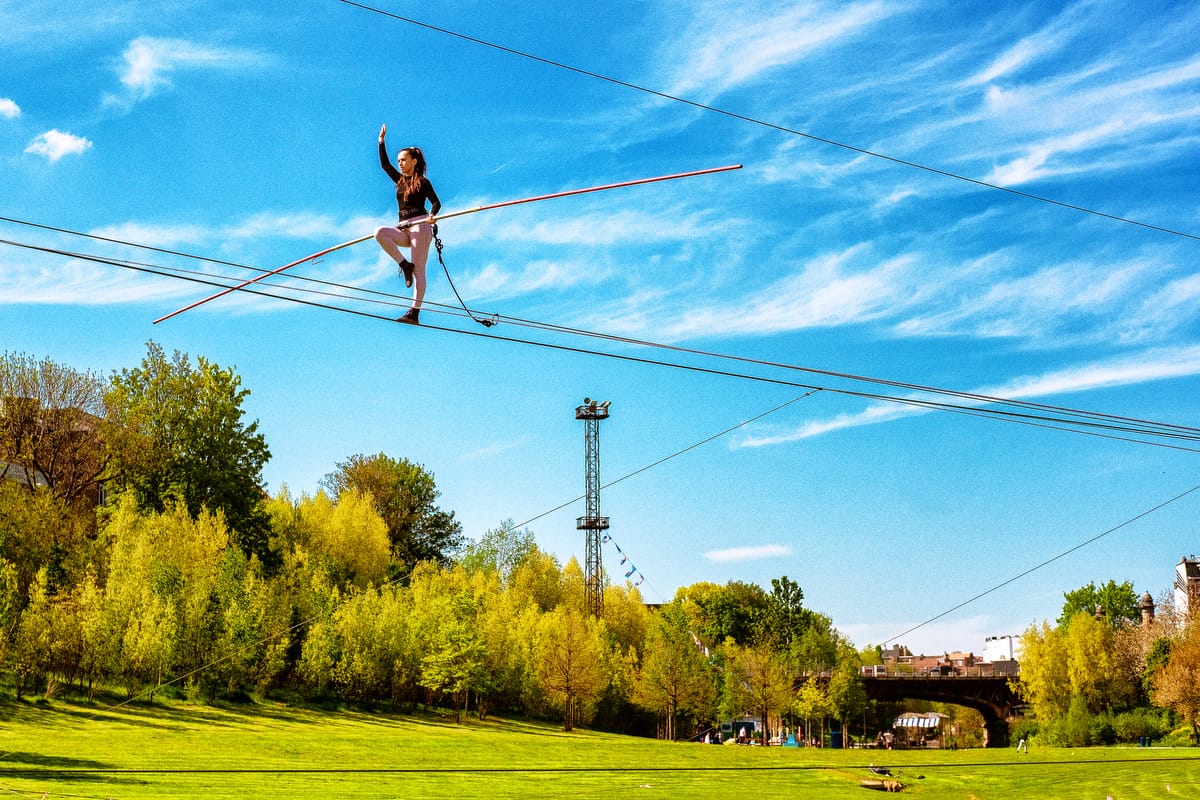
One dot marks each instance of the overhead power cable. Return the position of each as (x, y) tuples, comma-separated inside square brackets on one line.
[(1074, 420), (765, 124), (1046, 563), (391, 300)]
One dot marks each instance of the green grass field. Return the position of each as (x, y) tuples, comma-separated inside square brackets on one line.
[(60, 750)]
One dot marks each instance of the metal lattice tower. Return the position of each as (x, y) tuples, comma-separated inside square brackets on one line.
[(591, 412)]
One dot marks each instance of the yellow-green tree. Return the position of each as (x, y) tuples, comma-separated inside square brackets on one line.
[(455, 650), (810, 703), (539, 580), (757, 680), (626, 617), (1093, 667), (675, 680), (405, 496), (571, 662), (1044, 681), (161, 589), (349, 536)]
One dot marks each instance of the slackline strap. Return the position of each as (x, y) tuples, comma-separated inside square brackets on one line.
[(487, 323)]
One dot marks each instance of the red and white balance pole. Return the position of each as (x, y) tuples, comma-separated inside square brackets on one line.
[(441, 217)]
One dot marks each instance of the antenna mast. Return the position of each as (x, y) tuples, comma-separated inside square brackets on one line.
[(591, 412)]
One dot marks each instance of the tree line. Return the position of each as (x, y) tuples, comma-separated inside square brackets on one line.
[(183, 576), (1102, 674)]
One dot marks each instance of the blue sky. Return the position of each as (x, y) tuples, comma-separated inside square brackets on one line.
[(247, 134)]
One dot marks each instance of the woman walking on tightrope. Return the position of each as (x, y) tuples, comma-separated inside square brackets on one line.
[(412, 190)]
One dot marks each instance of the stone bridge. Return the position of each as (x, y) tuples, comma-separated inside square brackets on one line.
[(990, 696)]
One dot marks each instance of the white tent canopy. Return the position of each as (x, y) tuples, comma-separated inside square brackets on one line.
[(930, 720)]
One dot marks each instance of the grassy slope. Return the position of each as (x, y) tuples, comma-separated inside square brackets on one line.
[(274, 751)]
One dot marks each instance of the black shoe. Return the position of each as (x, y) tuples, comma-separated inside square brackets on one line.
[(411, 317), (406, 269)]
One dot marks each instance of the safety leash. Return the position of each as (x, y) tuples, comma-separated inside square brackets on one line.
[(487, 323)]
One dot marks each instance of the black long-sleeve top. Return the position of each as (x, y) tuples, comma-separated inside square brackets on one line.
[(412, 205)]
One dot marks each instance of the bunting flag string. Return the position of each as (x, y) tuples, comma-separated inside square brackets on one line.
[(633, 570)]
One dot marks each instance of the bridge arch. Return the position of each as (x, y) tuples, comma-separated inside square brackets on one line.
[(990, 696)]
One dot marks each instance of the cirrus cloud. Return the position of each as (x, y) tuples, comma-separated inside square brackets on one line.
[(149, 63)]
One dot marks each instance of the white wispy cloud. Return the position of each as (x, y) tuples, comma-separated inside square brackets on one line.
[(1164, 311), (497, 281), (149, 65), (38, 279), (751, 553), (1046, 158), (836, 288), (292, 224), (155, 235), (722, 46), (1045, 42), (33, 280), (495, 449), (995, 299), (55, 144), (1144, 367), (9, 109)]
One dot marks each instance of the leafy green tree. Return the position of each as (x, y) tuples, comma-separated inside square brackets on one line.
[(456, 656), (816, 648), (716, 613), (405, 496), (320, 650), (1119, 602), (101, 645), (148, 643), (785, 619), (501, 550), (574, 590), (847, 695), (1092, 667), (39, 530), (250, 621), (33, 651), (1156, 657), (184, 439), (10, 606), (503, 622), (674, 681), (162, 590), (361, 669), (626, 617), (757, 679)]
